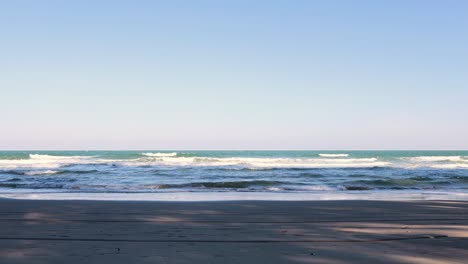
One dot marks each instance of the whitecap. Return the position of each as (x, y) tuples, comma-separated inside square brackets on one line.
[(317, 188), (274, 189), (259, 162), (333, 155), (53, 157), (450, 166), (44, 161), (434, 158), (159, 154)]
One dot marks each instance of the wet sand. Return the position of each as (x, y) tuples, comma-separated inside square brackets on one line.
[(35, 231)]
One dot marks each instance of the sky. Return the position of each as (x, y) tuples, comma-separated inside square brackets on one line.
[(271, 75)]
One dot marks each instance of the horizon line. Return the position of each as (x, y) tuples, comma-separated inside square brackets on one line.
[(233, 150)]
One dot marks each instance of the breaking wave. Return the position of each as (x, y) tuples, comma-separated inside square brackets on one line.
[(164, 171), (434, 158), (44, 161), (159, 154), (262, 162), (46, 164), (334, 155)]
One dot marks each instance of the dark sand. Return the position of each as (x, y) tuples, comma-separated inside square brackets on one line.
[(233, 232)]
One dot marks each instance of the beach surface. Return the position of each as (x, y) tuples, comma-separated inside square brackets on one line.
[(37, 231)]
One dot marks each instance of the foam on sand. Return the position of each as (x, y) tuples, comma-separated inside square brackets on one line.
[(239, 196)]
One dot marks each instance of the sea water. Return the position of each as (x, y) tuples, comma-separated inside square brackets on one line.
[(230, 175)]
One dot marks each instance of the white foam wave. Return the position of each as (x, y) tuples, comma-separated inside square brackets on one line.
[(44, 161), (40, 172), (261, 162), (434, 158), (333, 155), (159, 154), (52, 157), (51, 162), (450, 166), (274, 189), (43, 157), (316, 188)]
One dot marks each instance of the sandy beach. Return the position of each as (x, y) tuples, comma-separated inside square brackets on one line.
[(233, 232)]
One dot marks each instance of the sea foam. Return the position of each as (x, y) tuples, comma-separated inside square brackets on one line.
[(44, 161), (159, 154), (333, 155), (434, 158), (260, 162)]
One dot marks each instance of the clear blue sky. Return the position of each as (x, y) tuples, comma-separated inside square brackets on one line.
[(234, 74)]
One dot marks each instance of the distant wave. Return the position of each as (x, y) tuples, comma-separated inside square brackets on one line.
[(435, 158), (49, 164), (159, 154), (333, 155), (260, 162), (53, 157), (44, 161), (55, 162), (46, 157), (451, 166)]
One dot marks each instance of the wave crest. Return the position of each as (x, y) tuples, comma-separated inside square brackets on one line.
[(333, 155), (434, 158), (254, 163), (44, 161), (52, 157), (159, 154)]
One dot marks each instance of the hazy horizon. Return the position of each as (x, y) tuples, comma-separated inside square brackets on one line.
[(235, 150), (234, 75)]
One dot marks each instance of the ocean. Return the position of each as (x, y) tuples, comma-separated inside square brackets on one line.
[(235, 174)]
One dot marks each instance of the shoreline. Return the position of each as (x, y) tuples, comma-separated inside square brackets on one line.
[(360, 231), (244, 196)]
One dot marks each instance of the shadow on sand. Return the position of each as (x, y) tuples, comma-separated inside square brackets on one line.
[(233, 232)]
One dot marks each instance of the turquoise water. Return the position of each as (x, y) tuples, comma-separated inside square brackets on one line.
[(232, 171)]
